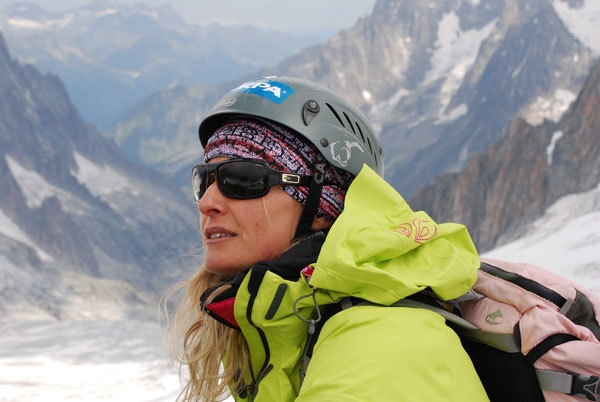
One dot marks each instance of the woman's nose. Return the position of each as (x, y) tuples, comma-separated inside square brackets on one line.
[(212, 200)]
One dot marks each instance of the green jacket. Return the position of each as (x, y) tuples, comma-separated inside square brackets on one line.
[(381, 251)]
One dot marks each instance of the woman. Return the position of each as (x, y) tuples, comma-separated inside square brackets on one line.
[(283, 158)]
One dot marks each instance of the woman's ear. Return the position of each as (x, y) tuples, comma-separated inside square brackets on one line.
[(320, 223)]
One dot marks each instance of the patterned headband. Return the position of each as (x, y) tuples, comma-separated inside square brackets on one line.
[(282, 150)]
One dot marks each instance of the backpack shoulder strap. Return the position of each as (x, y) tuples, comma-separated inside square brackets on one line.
[(505, 342), (327, 312)]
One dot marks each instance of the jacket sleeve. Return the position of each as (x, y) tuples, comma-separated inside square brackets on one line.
[(370, 353)]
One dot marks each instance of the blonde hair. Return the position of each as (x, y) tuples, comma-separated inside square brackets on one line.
[(215, 355)]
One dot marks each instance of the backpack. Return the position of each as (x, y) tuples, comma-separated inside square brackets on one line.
[(533, 336)]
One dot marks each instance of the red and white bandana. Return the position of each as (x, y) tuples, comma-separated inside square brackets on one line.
[(282, 150)]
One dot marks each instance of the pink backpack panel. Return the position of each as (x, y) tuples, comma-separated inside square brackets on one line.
[(555, 325)]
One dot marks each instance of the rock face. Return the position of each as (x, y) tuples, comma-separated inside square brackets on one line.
[(71, 204), (520, 176), (441, 81), (444, 79)]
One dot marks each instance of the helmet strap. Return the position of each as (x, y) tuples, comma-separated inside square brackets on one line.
[(314, 197)]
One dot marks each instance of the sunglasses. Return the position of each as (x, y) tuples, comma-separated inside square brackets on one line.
[(242, 179)]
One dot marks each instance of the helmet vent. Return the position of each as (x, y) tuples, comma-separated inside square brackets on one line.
[(341, 121), (360, 131), (364, 139), (335, 113), (349, 122), (370, 147)]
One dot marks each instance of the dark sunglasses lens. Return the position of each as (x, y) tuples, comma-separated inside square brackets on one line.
[(243, 179), (199, 178)]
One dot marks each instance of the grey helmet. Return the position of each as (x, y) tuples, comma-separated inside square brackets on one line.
[(338, 130)]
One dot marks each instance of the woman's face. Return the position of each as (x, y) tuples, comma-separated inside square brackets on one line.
[(239, 233)]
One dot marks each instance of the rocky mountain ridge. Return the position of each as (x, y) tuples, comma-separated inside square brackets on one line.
[(444, 80), (79, 222), (441, 82), (506, 188)]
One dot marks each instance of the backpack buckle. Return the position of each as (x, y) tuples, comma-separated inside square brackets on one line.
[(586, 387)]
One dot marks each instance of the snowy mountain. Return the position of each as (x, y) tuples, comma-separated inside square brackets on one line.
[(83, 231), (565, 240), (442, 81), (520, 176), (121, 53)]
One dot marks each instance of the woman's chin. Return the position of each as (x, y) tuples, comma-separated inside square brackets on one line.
[(218, 267)]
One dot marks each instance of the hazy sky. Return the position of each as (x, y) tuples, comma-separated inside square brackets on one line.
[(300, 16)]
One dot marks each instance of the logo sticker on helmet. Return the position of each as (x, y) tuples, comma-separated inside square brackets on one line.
[(274, 91), (341, 151)]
